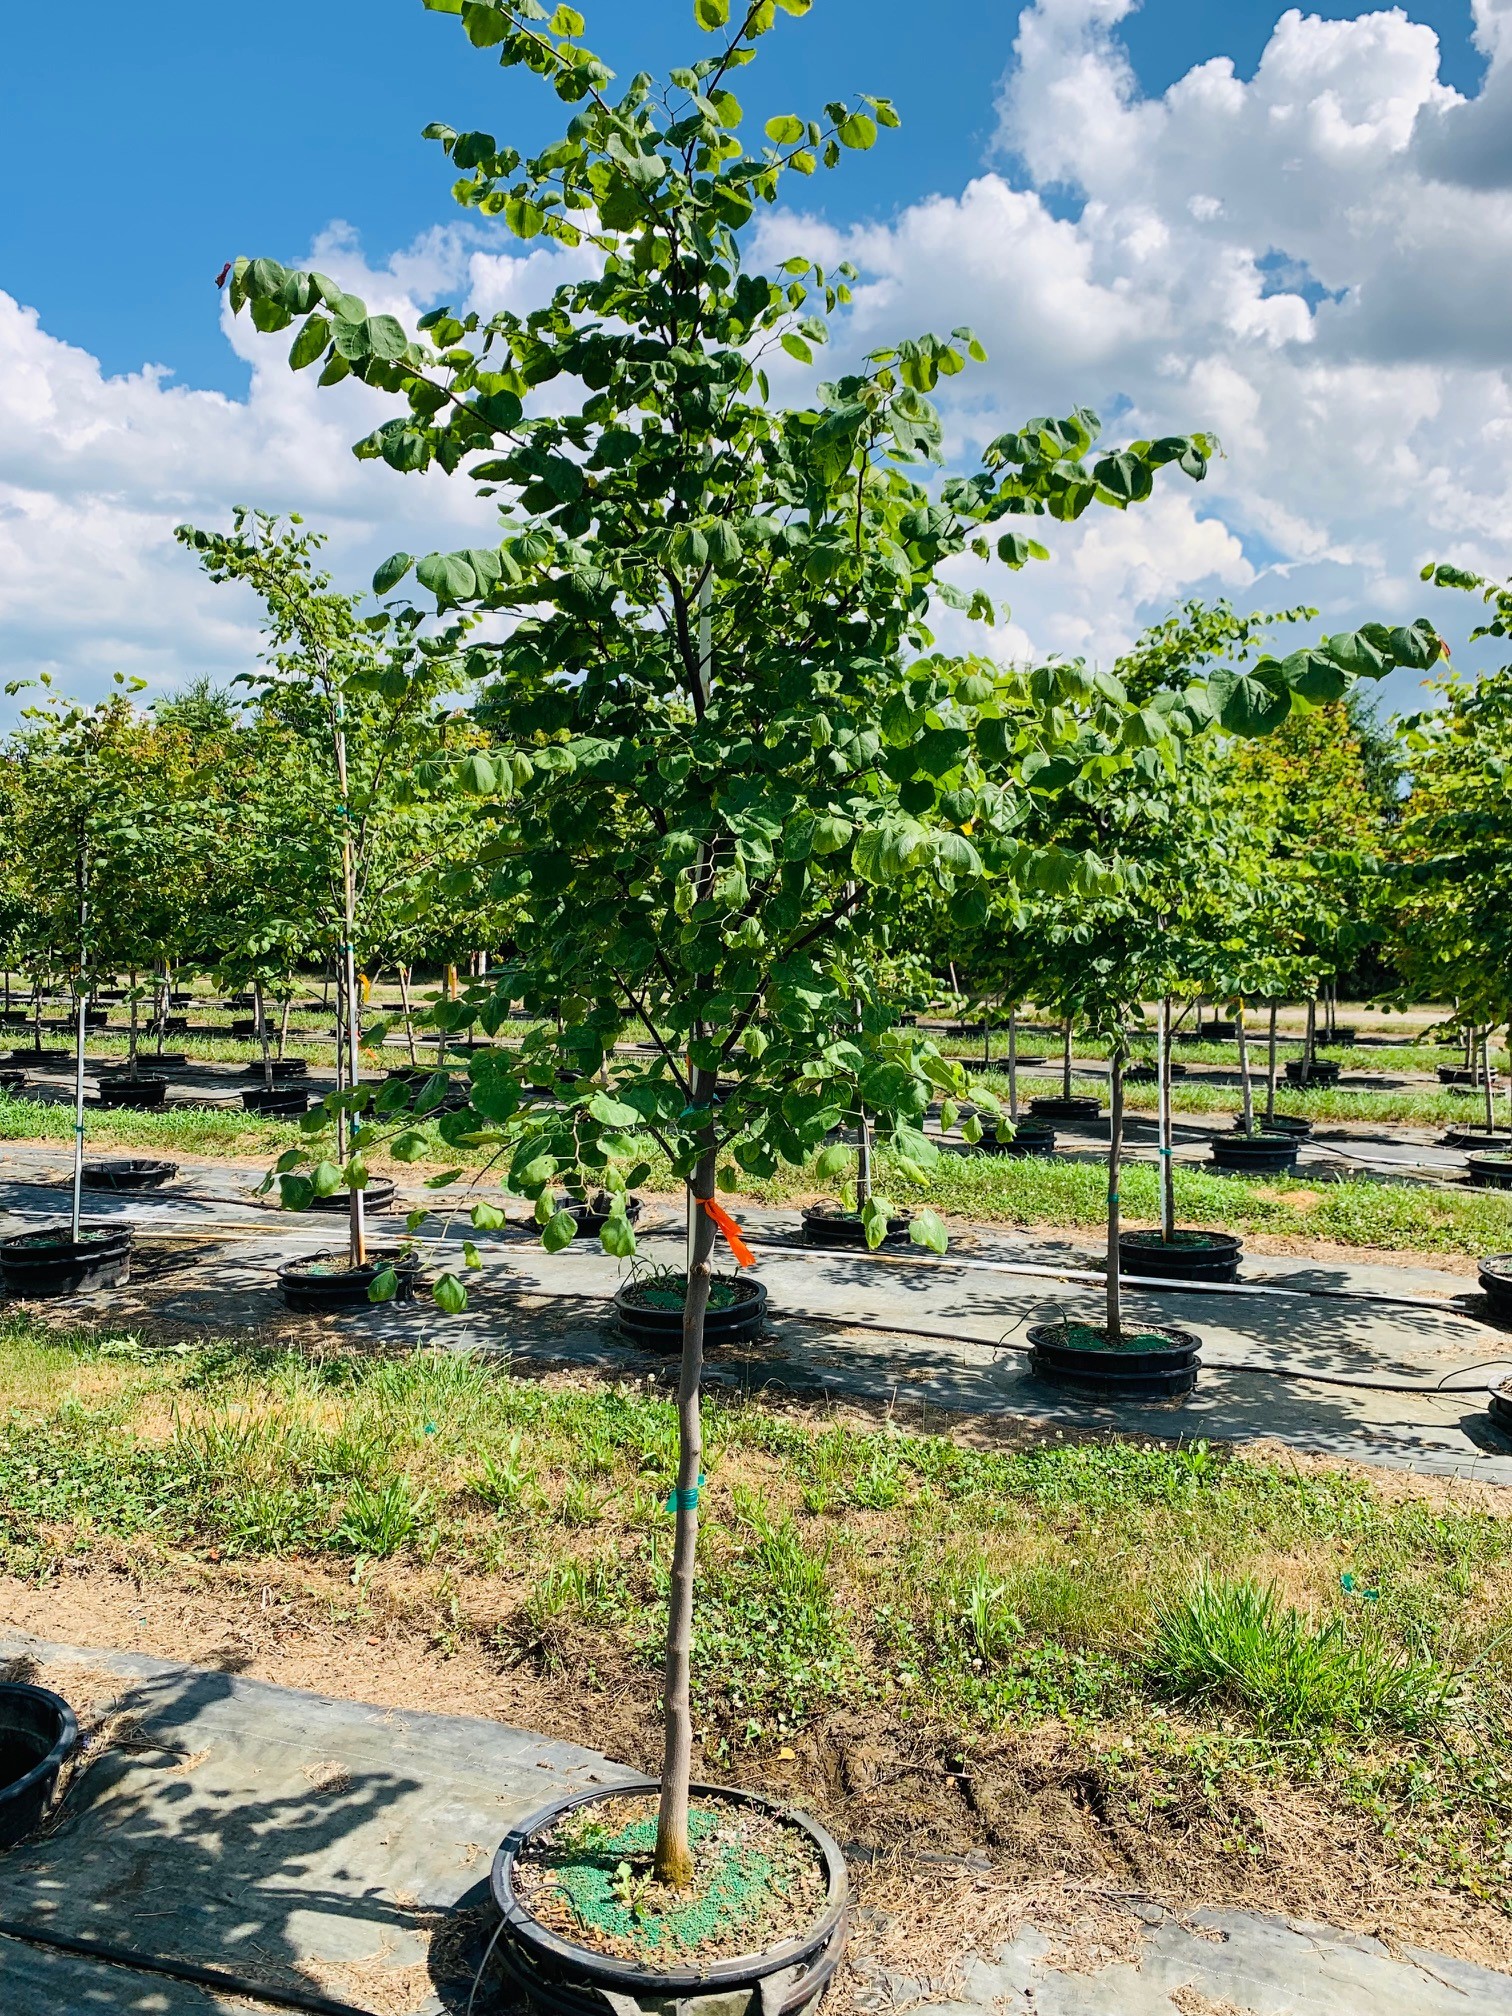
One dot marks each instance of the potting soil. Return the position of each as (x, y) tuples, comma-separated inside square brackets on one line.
[(758, 1881)]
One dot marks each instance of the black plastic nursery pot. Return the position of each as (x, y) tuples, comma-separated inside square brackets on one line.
[(827, 1225), (1322, 1071), (38, 1735), (591, 1218), (51, 1261), (1496, 1282), (276, 1099), (1282, 1123), (12, 1081), (95, 1018), (1490, 1143), (173, 1025), (656, 1324), (130, 1172), (41, 1056), (1030, 1137), (1079, 1107), (1461, 1074), (283, 1067), (317, 1283), (1190, 1256), (555, 1976), (1155, 1362), (377, 1195), (143, 1091), (1499, 1407), (1494, 1171), (244, 1025), (1256, 1154)]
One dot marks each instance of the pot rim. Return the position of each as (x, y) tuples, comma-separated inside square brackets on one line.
[(62, 1746), (634, 1975), (1152, 1241), (302, 1263), (51, 1242), (749, 1289), (1173, 1334)]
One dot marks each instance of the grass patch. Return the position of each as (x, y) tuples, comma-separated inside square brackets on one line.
[(1201, 1607)]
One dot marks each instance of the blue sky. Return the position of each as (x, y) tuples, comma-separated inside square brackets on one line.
[(1310, 256), (139, 148)]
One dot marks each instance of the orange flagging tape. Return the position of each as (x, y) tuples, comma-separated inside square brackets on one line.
[(744, 1257)]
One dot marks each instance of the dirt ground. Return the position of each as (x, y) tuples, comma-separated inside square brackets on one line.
[(952, 1849)]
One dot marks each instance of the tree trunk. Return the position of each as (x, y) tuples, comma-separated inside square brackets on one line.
[(1013, 1063), (1066, 1063), (1115, 1151), (409, 1025), (131, 1035), (262, 1032), (1310, 1045), (1165, 1155), (162, 1027), (1270, 1072), (674, 1855), (863, 1161), (82, 883), (283, 1026), (1486, 1076), (1246, 1085)]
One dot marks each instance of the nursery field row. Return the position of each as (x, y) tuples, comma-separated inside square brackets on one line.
[(986, 1189), (1195, 1620)]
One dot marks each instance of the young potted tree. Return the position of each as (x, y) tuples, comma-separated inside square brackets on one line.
[(720, 758), (69, 803), (1453, 851), (348, 700)]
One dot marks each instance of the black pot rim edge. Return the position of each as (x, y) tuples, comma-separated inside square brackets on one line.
[(718, 1972), (1151, 1242), (299, 1267), (25, 1243), (63, 1744)]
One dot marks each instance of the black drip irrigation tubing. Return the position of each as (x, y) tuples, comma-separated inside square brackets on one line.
[(179, 1970)]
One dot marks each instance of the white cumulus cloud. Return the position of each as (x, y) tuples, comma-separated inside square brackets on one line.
[(1314, 262)]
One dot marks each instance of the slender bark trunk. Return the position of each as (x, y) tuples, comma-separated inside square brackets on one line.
[(1066, 1063), (674, 1855), (37, 1014), (283, 1026), (1166, 1156), (409, 1025), (863, 1162), (82, 874), (1270, 1071), (1115, 1153), (1486, 1075), (162, 1027), (260, 1012), (1013, 1063), (347, 984), (1245, 1083), (1310, 1045), (131, 1036)]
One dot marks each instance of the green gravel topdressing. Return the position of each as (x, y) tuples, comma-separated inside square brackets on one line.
[(747, 1879), (1085, 1337)]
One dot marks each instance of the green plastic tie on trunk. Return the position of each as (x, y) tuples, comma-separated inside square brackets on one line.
[(681, 1500)]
